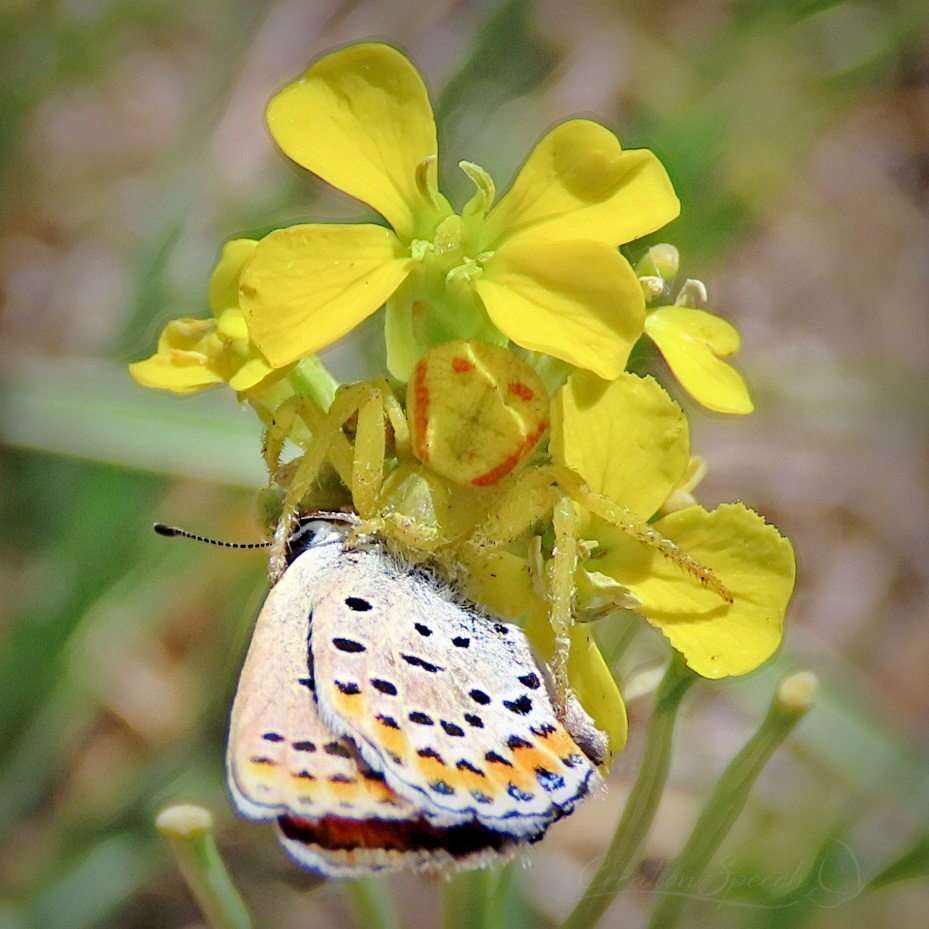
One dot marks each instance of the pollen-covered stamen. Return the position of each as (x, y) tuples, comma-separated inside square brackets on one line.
[(419, 248), (469, 270)]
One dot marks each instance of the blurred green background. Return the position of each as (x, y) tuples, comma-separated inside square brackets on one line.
[(132, 144)]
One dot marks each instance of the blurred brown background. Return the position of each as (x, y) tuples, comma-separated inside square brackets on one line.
[(132, 144)]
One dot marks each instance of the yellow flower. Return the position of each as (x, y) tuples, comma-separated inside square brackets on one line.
[(693, 342), (630, 442), (541, 266), (195, 353)]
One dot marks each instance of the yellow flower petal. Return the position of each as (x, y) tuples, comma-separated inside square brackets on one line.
[(230, 324), (306, 286), (628, 439), (579, 301), (182, 361), (753, 561), (252, 372), (224, 282), (164, 373), (578, 183), (360, 118), (692, 342)]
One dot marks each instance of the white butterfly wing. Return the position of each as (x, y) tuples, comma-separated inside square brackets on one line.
[(447, 703), (334, 812)]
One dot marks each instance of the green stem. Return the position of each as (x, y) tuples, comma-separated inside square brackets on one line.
[(373, 904), (189, 828), (642, 804), (311, 379), (472, 899), (726, 801)]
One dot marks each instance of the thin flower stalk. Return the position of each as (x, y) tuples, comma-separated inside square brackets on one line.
[(636, 822)]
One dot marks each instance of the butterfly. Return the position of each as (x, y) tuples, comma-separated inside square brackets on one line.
[(383, 723)]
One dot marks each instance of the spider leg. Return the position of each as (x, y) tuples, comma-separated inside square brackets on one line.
[(368, 459), (632, 524), (522, 501), (560, 570)]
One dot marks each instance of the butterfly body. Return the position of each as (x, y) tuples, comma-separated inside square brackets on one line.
[(383, 723)]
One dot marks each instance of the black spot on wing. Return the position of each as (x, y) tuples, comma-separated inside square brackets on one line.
[(452, 729), (348, 645), (478, 696), (530, 680), (465, 765), (494, 758), (384, 687), (421, 718), (461, 641), (349, 689), (522, 706), (273, 737), (388, 721), (304, 746), (337, 749), (514, 741), (473, 720), (430, 753), (417, 662), (357, 604), (440, 787), (422, 630)]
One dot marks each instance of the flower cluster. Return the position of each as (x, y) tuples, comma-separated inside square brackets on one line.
[(537, 278)]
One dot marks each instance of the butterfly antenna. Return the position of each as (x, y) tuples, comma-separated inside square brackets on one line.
[(174, 533)]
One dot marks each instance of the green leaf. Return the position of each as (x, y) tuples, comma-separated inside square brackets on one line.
[(910, 865)]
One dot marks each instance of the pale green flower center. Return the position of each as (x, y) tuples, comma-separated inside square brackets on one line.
[(454, 242)]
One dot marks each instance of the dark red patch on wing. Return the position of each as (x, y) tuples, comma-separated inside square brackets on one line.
[(405, 835)]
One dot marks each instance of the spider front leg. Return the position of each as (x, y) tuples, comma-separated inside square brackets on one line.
[(560, 576), (638, 528), (360, 468)]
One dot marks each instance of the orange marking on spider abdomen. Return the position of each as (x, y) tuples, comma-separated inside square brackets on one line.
[(507, 465), (421, 417), (518, 389), (461, 365)]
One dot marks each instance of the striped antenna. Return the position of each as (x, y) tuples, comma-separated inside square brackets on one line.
[(174, 533)]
